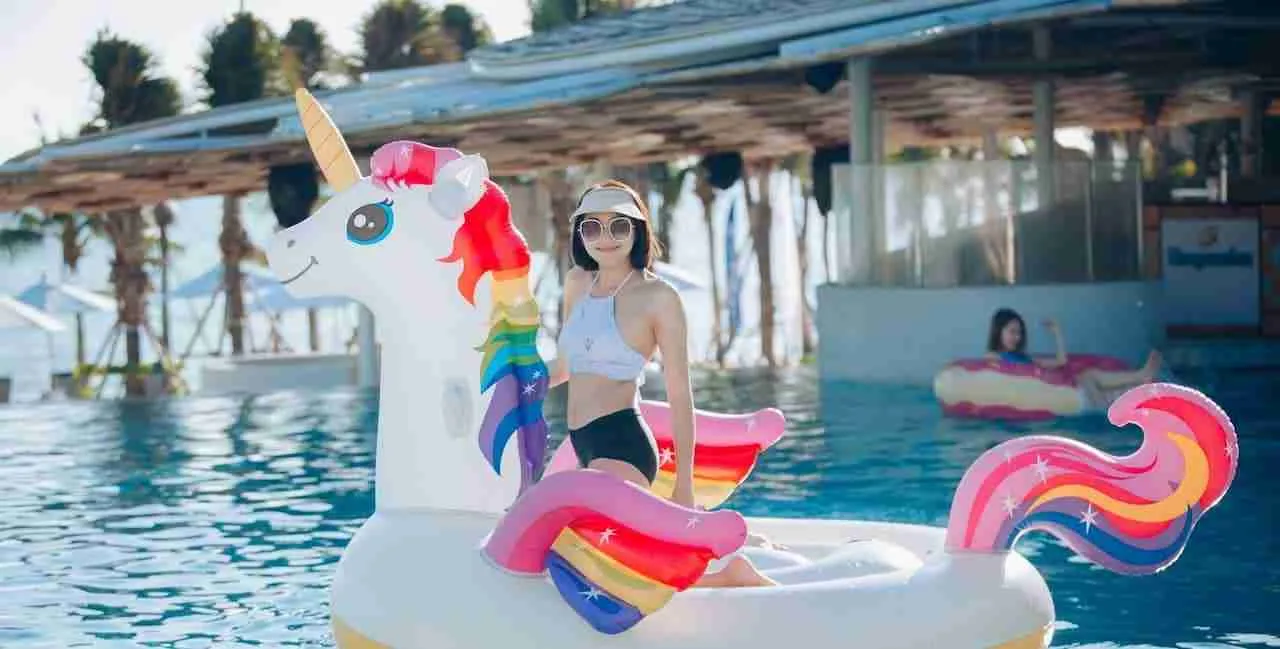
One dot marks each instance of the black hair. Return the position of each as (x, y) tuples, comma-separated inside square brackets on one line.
[(999, 319), (644, 246)]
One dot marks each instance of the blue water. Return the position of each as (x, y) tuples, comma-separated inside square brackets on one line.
[(215, 522)]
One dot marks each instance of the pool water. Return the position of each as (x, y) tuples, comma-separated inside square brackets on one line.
[(215, 522)]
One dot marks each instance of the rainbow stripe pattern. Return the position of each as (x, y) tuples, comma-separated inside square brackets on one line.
[(718, 471), (511, 367), (613, 576), (615, 552), (726, 450), (1131, 515)]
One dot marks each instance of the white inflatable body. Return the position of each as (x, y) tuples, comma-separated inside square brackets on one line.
[(426, 243), (418, 580)]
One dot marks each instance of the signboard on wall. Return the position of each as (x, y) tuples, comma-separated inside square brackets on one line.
[(1211, 271)]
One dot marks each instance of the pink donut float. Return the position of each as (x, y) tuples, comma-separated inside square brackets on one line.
[(726, 447), (996, 389)]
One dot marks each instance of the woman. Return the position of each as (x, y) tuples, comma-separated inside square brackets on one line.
[(616, 315), (1007, 341)]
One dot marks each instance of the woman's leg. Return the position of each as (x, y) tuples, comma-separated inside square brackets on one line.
[(1112, 380), (738, 572)]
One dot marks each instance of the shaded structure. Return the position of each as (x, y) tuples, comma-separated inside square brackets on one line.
[(763, 77)]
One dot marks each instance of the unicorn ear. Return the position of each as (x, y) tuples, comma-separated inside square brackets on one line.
[(459, 185)]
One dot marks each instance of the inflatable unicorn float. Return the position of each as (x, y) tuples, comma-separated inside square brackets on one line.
[(486, 547)]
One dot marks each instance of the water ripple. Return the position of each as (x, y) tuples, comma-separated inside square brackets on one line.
[(215, 522)]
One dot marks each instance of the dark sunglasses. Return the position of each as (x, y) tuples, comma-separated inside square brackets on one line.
[(591, 229)]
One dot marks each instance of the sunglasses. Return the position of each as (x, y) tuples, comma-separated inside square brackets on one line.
[(592, 229)]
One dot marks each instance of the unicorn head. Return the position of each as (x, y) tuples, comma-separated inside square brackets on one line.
[(392, 241), (378, 233)]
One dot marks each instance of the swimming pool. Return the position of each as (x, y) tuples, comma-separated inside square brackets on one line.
[(214, 522)]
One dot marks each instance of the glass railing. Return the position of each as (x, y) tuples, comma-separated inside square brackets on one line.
[(961, 223)]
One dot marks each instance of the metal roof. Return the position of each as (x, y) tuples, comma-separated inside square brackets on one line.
[(537, 88)]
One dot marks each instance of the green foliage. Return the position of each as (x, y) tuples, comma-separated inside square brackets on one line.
[(546, 15), (308, 47), (131, 89), (464, 27), (241, 61)]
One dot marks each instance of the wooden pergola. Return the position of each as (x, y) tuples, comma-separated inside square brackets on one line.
[(1118, 71)]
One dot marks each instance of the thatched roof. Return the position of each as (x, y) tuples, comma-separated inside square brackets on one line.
[(753, 82)]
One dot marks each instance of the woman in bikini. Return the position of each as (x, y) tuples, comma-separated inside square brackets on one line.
[(614, 306), (1007, 341)]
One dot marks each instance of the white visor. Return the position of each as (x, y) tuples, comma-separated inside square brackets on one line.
[(609, 200)]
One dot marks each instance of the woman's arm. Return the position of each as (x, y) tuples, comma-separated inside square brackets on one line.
[(671, 332), (1061, 358), (575, 281)]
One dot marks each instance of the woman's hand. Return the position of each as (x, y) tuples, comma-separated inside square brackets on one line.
[(1050, 324)]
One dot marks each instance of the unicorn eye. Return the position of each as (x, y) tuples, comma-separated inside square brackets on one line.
[(370, 223)]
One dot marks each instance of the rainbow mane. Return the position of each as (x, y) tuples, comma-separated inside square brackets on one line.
[(1132, 515), (487, 242)]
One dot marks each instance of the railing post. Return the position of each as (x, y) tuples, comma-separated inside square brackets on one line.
[(1088, 222)]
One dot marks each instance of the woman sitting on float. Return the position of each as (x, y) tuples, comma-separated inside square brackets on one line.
[(1007, 341), (613, 307)]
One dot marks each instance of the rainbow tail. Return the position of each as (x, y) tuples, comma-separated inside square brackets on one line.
[(512, 367), (1132, 515), (615, 552), (726, 449)]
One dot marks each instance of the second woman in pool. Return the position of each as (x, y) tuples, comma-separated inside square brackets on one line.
[(617, 314), (1007, 341)]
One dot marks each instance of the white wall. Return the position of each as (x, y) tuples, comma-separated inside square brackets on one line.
[(907, 334)]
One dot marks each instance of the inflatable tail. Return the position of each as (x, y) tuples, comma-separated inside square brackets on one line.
[(615, 552), (1132, 515), (726, 448)]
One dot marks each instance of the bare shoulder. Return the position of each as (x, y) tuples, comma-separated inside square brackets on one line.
[(662, 296)]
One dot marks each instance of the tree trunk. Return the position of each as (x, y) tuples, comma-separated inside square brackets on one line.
[(706, 194), (562, 205), (129, 276), (164, 286), (234, 242), (760, 212), (802, 240)]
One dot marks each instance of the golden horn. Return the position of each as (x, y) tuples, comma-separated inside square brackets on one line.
[(328, 147)]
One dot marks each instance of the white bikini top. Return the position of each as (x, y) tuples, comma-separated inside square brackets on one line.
[(592, 343)]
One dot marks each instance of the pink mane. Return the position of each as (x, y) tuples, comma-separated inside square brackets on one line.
[(405, 163), (486, 241)]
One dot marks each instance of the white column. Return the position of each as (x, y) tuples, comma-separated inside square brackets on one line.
[(862, 225), (1043, 118), (367, 344)]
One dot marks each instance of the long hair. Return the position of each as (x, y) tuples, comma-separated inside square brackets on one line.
[(1001, 318), (644, 246)]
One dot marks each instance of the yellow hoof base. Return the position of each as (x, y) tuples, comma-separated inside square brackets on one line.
[(349, 638)]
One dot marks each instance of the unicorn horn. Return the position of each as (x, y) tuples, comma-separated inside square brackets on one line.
[(327, 145)]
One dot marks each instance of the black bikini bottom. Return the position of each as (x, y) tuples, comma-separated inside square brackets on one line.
[(621, 436)]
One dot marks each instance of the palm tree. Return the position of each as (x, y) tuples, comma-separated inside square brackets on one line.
[(306, 43), (546, 15), (293, 189), (406, 33), (131, 92), (464, 28), (760, 217), (240, 64)]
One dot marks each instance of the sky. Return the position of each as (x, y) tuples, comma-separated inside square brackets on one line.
[(44, 40)]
